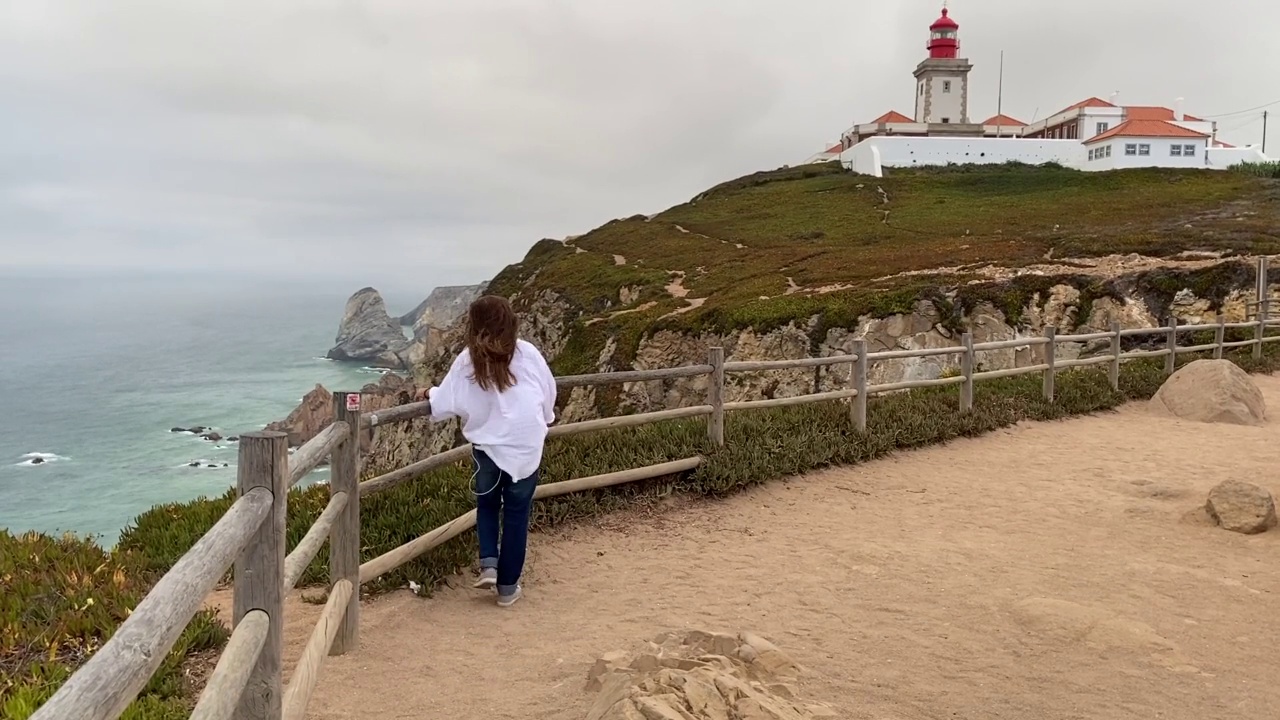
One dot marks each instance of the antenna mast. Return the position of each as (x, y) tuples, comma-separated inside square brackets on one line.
[(1000, 98)]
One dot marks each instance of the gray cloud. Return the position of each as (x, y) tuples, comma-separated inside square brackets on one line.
[(425, 138)]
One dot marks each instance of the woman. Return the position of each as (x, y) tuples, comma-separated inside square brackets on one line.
[(504, 392)]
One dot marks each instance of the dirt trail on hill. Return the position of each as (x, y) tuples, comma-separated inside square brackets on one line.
[(1047, 571)]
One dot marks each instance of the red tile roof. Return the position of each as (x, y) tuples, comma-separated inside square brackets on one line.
[(1220, 144), (1003, 119), (837, 148), (893, 116), (1146, 128), (1154, 112), (1091, 102)]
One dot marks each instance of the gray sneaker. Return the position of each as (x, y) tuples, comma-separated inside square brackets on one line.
[(488, 579), (507, 601)]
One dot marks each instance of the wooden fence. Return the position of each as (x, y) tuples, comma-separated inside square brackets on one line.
[(248, 682)]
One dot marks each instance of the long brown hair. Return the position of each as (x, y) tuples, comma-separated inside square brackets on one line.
[(491, 340)]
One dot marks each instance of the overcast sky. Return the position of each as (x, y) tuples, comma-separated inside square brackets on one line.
[(438, 139)]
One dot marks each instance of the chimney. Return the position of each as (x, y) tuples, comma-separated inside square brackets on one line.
[(1115, 98), (1177, 109)]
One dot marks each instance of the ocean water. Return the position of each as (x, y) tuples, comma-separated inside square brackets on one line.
[(96, 371)]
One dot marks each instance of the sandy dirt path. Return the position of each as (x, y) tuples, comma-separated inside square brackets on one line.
[(1048, 571)]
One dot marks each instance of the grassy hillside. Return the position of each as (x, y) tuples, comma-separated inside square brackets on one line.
[(773, 247)]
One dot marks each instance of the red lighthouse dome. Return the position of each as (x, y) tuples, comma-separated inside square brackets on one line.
[(944, 37)]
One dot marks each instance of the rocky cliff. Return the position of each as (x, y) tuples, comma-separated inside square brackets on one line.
[(441, 308), (368, 334)]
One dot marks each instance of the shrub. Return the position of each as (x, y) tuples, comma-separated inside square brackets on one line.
[(1258, 169), (63, 598)]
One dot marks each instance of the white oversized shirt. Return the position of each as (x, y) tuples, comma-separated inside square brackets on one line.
[(509, 426)]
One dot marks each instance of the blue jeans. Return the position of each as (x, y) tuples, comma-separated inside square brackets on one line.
[(502, 505)]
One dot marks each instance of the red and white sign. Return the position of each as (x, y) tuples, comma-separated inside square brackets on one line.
[(353, 402)]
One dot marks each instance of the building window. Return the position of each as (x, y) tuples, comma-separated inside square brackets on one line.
[(1092, 154), (1131, 149), (946, 120), (1175, 150), (946, 86), (1189, 150), (1102, 127), (1108, 151), (921, 89), (1144, 149)]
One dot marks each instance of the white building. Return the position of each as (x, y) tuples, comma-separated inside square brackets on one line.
[(1146, 143), (1093, 134)]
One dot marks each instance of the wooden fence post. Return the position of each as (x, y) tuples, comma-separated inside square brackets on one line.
[(1171, 360), (859, 409), (715, 397), (1050, 356), (1114, 371), (1263, 308), (259, 570), (1219, 337), (966, 369), (344, 538)]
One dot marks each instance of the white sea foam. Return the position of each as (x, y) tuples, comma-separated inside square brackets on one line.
[(32, 459), (206, 464)]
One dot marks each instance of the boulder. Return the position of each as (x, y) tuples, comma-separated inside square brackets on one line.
[(368, 334), (1242, 507), (1211, 391)]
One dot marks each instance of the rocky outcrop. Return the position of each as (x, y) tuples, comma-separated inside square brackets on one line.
[(1211, 391), (368, 334), (312, 415), (1242, 507), (383, 448), (926, 327), (441, 308)]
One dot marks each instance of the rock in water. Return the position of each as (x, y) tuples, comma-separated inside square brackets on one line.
[(1211, 391), (1242, 507), (368, 334)]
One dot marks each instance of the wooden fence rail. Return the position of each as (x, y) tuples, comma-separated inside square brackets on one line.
[(247, 683)]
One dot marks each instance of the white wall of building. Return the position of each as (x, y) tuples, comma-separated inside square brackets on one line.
[(872, 155), (1096, 120), (1223, 158), (946, 94), (1113, 154)]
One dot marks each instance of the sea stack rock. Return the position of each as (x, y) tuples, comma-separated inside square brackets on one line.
[(368, 334)]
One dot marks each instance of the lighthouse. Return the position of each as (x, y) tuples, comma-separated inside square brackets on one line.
[(942, 79)]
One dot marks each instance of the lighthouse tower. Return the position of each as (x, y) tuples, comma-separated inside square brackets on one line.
[(942, 79)]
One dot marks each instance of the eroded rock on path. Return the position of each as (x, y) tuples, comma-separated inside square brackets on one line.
[(700, 676), (1242, 507)]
